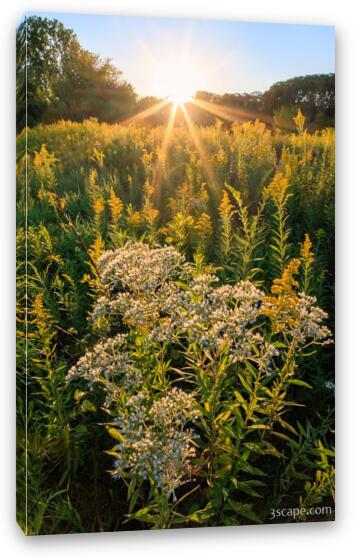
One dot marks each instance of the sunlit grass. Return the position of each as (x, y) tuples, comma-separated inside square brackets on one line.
[(149, 247)]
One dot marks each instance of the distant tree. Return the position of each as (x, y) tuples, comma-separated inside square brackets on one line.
[(205, 96), (64, 80), (42, 46), (314, 95), (91, 87)]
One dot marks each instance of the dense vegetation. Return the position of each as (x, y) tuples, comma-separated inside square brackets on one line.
[(66, 81), (63, 79), (313, 94), (179, 299)]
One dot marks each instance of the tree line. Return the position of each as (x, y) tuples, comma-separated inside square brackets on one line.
[(62, 80)]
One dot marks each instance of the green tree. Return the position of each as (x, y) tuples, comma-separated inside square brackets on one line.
[(42, 46), (313, 94), (62, 80), (91, 88)]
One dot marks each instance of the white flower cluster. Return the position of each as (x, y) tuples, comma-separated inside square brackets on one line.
[(137, 267), (146, 295), (311, 320), (156, 443), (155, 293), (140, 281), (219, 318), (108, 361)]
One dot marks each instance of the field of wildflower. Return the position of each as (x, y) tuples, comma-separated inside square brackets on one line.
[(175, 325)]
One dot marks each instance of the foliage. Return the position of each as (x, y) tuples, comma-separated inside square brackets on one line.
[(313, 94), (174, 327), (57, 78)]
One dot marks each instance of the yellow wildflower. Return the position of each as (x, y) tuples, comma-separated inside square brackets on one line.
[(98, 206), (299, 121), (115, 205), (277, 189)]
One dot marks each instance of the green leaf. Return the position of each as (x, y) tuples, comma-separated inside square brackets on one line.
[(87, 406), (246, 467), (78, 394), (244, 510), (207, 406), (224, 415), (201, 516), (112, 453), (299, 382), (287, 426), (143, 515), (245, 486), (282, 436), (245, 384), (115, 434), (239, 397)]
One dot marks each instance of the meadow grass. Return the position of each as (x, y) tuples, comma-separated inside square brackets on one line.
[(180, 304)]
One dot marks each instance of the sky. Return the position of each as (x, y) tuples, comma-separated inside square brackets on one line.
[(157, 55)]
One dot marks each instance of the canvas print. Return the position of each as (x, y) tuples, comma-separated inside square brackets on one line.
[(175, 273)]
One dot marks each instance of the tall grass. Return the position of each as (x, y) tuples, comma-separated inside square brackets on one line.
[(258, 208)]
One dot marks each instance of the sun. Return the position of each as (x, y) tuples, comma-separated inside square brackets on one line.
[(176, 79), (179, 97)]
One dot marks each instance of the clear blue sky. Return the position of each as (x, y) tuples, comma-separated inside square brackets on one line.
[(231, 56)]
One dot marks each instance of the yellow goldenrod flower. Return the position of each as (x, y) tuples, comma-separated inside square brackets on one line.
[(115, 205)]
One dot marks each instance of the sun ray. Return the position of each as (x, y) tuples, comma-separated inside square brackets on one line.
[(231, 114), (159, 168), (146, 113), (203, 155)]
